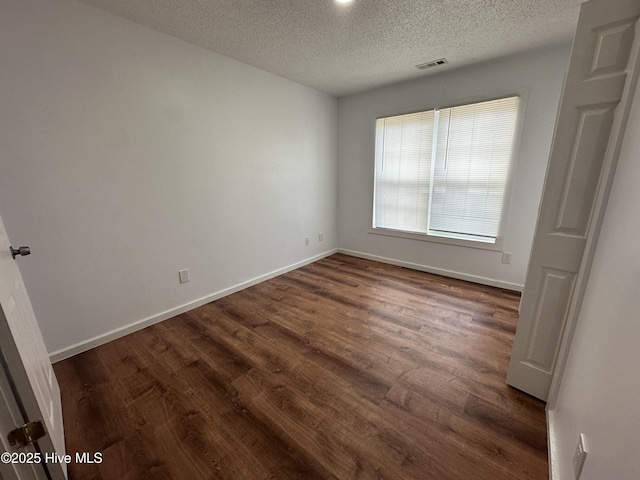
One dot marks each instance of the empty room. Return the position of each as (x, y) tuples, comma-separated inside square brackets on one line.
[(319, 239)]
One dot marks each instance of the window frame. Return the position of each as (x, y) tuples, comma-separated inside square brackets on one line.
[(522, 94)]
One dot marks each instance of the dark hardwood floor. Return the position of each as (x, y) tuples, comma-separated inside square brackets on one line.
[(343, 369)]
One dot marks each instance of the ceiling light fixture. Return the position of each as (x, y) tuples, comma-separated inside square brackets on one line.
[(343, 1)]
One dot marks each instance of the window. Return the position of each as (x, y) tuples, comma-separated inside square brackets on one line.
[(444, 172)]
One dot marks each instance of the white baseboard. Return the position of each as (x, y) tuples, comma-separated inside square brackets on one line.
[(438, 271), (145, 322), (552, 445)]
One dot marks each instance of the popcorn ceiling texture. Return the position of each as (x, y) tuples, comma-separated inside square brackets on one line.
[(343, 49)]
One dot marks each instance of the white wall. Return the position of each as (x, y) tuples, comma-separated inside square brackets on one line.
[(599, 393), (127, 154), (540, 72)]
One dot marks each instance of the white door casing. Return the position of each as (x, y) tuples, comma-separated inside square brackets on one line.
[(34, 384), (590, 123)]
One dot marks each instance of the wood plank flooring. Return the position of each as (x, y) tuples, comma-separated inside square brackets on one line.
[(343, 369)]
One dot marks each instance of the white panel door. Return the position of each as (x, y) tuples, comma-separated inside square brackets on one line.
[(29, 380), (588, 129)]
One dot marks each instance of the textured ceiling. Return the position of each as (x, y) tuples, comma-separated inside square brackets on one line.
[(343, 49)]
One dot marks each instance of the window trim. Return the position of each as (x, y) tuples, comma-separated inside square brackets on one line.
[(429, 237), (523, 95)]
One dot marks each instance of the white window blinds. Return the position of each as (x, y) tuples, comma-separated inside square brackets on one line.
[(403, 150), (444, 172)]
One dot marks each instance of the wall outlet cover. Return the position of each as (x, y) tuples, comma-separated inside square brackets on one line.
[(579, 456), (184, 275)]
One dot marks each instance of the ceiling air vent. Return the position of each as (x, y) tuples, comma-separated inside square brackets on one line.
[(432, 63)]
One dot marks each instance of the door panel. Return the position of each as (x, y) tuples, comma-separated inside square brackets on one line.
[(580, 168), (554, 301), (584, 171), (26, 360)]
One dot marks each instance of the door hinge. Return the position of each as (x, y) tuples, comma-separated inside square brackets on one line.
[(27, 434)]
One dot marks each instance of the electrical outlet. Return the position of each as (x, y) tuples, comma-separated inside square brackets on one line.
[(306, 241), (506, 258), (579, 456), (184, 275), (320, 236)]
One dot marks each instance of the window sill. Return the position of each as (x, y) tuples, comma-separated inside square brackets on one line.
[(424, 237)]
